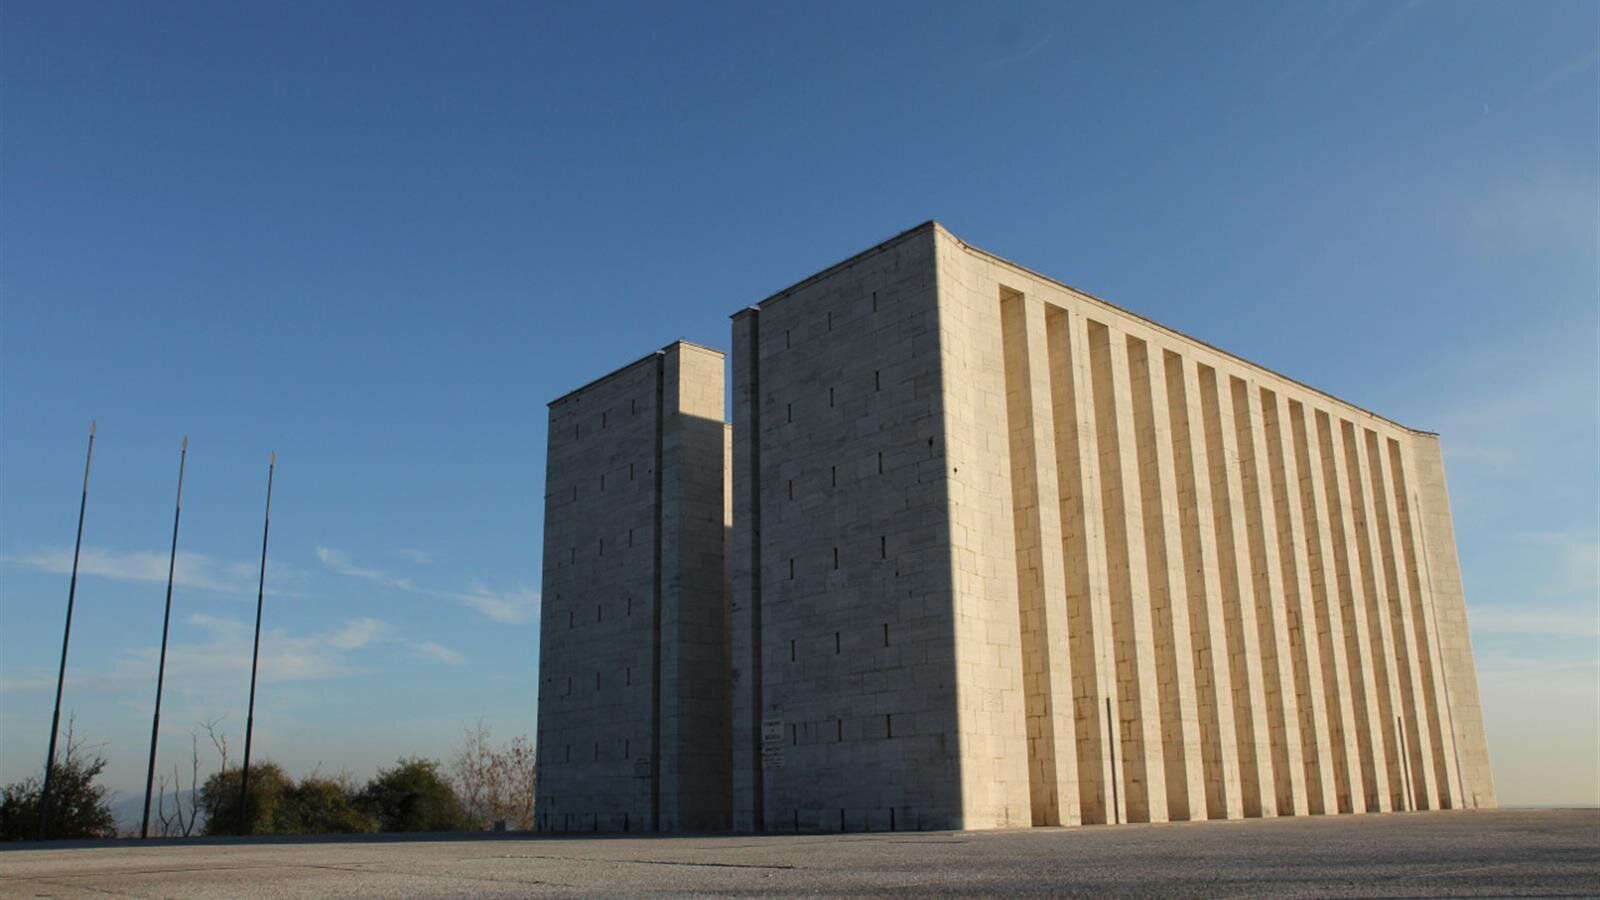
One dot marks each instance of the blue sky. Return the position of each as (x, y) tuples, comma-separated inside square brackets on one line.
[(378, 238)]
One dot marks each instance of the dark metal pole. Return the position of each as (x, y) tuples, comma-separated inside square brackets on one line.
[(255, 654), (66, 636), (161, 667)]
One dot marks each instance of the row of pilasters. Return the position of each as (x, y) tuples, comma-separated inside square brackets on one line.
[(1223, 608)]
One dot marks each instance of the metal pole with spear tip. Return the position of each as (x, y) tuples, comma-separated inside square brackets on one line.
[(66, 636), (255, 654), (161, 667)]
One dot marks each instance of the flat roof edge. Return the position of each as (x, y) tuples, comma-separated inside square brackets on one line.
[(625, 367), (1168, 328), (879, 247)]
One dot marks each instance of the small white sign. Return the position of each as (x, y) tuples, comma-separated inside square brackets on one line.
[(772, 743)]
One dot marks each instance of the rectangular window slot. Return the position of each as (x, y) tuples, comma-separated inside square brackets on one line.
[(574, 492), (602, 481), (888, 726), (596, 749), (630, 537), (569, 753), (574, 557), (597, 681), (877, 380), (791, 568), (833, 476), (788, 412), (786, 340), (633, 407), (886, 634), (874, 301), (880, 462), (628, 677), (570, 617), (836, 557), (602, 420), (794, 735), (830, 397), (836, 643), (883, 546), (791, 650), (577, 431), (630, 606), (600, 612), (569, 685), (602, 546), (627, 750), (791, 489), (630, 471), (830, 321), (838, 735)]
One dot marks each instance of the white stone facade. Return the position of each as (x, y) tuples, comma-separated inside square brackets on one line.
[(1003, 554)]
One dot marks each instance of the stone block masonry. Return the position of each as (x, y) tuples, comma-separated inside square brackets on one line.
[(994, 553), (633, 642)]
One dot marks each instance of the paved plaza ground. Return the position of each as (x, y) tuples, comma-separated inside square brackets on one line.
[(1499, 853)]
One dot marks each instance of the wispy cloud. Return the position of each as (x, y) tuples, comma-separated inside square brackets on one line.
[(1562, 73), (195, 571), (1389, 26), (428, 650), (420, 557), (339, 561), (511, 607), (1550, 622), (1014, 44), (222, 656)]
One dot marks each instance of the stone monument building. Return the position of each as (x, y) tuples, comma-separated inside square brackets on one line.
[(1001, 554)]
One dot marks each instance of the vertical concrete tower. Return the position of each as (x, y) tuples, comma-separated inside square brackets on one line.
[(1005, 554), (633, 644)]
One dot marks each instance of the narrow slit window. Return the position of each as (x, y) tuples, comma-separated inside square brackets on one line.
[(830, 320), (571, 623), (888, 726), (836, 643), (630, 537), (874, 301), (596, 749), (788, 412), (877, 380), (886, 634), (883, 546), (630, 471), (627, 677), (830, 397), (836, 557), (602, 481), (838, 730), (791, 568), (633, 407), (833, 476), (603, 420), (791, 650), (880, 462), (786, 340), (627, 748), (791, 489), (602, 546), (597, 681), (600, 612)]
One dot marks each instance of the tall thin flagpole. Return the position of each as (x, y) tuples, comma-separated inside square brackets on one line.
[(161, 667), (66, 636), (255, 654)]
